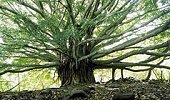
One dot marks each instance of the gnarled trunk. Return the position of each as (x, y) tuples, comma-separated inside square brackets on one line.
[(74, 73)]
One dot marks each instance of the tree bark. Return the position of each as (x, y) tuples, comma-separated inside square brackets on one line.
[(113, 74), (149, 75), (122, 77), (74, 73)]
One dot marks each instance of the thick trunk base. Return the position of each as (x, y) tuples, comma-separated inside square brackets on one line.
[(72, 73)]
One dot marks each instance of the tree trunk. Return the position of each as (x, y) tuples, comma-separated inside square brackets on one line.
[(122, 77), (113, 74), (149, 75), (74, 73), (161, 75)]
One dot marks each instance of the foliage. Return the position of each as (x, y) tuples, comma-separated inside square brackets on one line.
[(37, 79), (4, 84)]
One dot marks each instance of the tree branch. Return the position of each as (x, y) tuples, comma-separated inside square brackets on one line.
[(31, 7), (70, 11), (127, 64), (130, 29), (141, 51), (157, 54), (133, 41), (139, 70), (10, 10), (88, 9), (28, 69)]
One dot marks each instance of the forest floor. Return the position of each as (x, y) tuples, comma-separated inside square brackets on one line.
[(127, 89)]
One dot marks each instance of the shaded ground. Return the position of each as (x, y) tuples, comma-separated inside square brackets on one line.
[(129, 89)]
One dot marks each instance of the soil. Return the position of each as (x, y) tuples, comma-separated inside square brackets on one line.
[(126, 89)]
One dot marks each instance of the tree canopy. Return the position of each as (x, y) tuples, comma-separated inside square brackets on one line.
[(40, 34)]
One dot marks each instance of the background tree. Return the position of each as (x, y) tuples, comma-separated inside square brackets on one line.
[(75, 36)]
